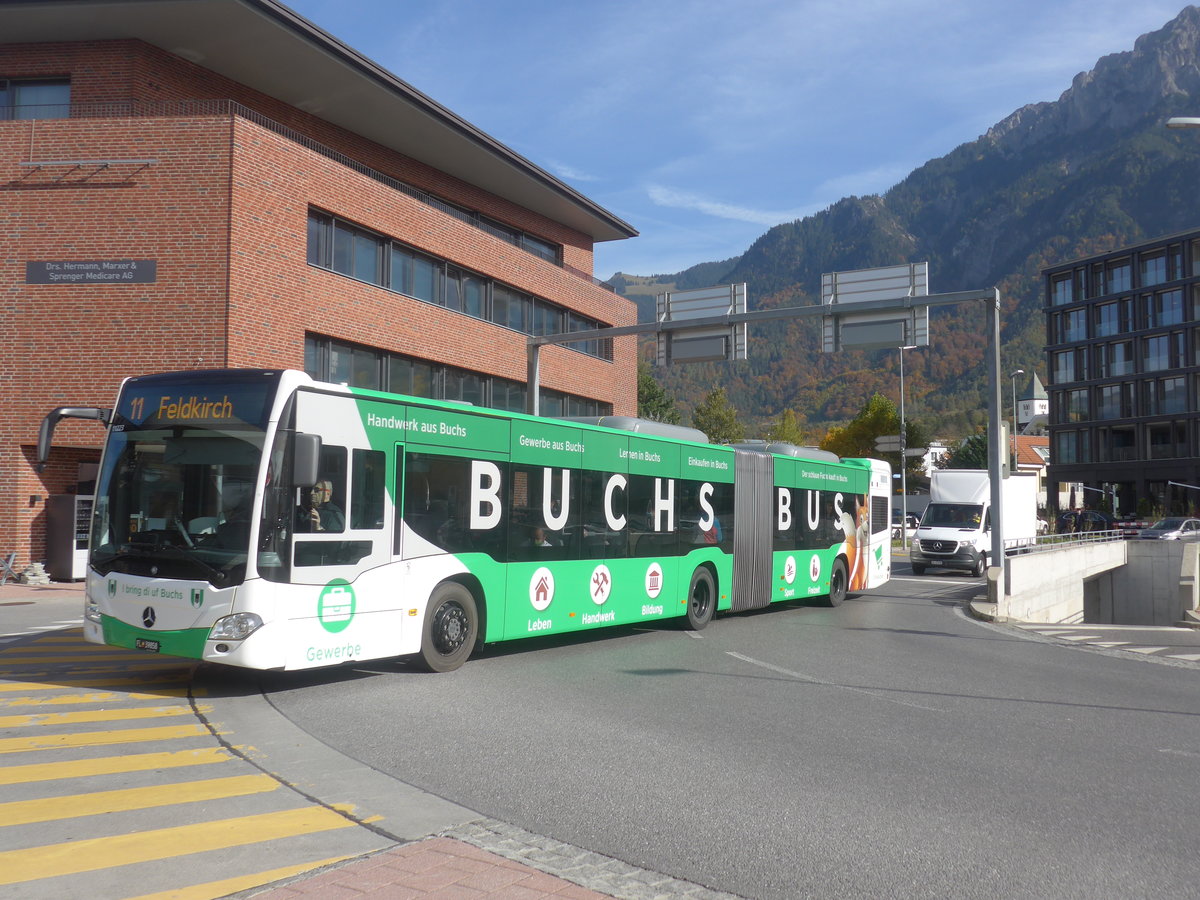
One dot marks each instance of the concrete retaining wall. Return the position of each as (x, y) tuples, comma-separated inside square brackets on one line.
[(1118, 583)]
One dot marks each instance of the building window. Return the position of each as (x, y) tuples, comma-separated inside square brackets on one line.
[(1167, 440), (1117, 277), (1153, 269), (1064, 366), (1124, 444), (357, 253), (359, 366), (1071, 447), (47, 98), (1120, 358), (1068, 327), (1173, 394), (1115, 401), (1108, 319), (1061, 289), (1155, 357), (1164, 308), (1077, 406), (367, 256), (1175, 262)]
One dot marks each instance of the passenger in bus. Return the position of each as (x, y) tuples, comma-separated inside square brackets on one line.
[(538, 538), (320, 514)]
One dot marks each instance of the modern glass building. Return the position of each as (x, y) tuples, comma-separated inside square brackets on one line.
[(1123, 350)]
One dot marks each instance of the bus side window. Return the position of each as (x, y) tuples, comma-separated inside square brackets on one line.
[(323, 507), (367, 489)]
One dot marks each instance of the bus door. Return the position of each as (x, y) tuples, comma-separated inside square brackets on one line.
[(341, 528), (548, 584)]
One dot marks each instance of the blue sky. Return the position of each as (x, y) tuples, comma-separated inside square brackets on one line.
[(704, 123)]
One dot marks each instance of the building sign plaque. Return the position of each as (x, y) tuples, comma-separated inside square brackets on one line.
[(92, 271)]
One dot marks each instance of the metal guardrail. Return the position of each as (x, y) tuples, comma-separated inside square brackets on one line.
[(135, 109), (1046, 542)]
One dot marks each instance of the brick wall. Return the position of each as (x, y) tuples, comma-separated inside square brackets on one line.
[(223, 210)]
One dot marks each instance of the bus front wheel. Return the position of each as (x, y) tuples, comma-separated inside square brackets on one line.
[(702, 599), (839, 583), (451, 628)]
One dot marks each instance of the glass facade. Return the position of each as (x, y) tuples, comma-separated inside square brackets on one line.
[(1123, 353)]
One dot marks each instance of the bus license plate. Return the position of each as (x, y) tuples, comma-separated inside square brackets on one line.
[(143, 644)]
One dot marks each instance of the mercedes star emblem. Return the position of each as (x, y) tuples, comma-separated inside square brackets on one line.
[(148, 616)]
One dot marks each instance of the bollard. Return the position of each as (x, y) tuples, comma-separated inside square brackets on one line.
[(993, 585)]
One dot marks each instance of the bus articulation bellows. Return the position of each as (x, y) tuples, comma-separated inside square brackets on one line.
[(258, 518)]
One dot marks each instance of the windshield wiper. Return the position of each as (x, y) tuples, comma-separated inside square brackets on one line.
[(215, 575)]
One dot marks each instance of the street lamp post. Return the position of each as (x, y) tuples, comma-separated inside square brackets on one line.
[(903, 457), (1013, 376)]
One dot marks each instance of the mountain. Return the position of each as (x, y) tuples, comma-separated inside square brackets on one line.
[(1092, 171)]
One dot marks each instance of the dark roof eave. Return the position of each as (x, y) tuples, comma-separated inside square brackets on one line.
[(272, 49)]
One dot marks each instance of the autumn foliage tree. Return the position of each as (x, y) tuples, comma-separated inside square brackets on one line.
[(718, 418)]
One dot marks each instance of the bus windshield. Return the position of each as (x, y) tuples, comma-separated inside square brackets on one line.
[(175, 496)]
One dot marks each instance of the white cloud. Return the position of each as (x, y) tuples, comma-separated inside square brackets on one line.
[(677, 199), (569, 173)]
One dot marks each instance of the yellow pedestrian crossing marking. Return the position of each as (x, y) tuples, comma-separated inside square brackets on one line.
[(74, 661), (101, 738), (112, 765), (228, 886), (85, 697), (98, 697), (97, 715), (73, 857), (47, 809), (166, 675)]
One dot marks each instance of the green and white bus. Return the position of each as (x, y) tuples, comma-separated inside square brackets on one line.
[(261, 519)]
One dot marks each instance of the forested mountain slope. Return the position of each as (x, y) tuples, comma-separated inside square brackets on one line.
[(1095, 170)]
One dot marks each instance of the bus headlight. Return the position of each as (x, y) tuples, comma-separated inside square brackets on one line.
[(237, 627)]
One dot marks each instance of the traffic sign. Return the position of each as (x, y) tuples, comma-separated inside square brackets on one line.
[(888, 443)]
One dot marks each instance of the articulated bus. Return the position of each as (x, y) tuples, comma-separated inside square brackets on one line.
[(261, 519)]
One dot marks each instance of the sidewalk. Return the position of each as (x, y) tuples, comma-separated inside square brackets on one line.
[(438, 868), (15, 592), (485, 860)]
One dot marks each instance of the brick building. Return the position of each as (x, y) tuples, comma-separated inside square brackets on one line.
[(219, 183)]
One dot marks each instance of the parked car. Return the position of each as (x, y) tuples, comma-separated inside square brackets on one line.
[(1175, 528), (913, 522), (1080, 520)]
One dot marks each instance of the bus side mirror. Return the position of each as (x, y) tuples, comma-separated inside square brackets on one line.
[(306, 459)]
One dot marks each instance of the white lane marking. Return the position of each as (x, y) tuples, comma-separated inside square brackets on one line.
[(800, 676), (1190, 657), (1108, 645), (1094, 627), (938, 580), (1172, 750), (1145, 649), (1079, 637)]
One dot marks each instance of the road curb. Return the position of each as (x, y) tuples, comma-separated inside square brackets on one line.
[(245, 721)]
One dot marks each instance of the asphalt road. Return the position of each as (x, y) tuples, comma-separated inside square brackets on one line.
[(890, 747)]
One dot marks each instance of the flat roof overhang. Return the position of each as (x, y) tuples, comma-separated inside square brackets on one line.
[(268, 47)]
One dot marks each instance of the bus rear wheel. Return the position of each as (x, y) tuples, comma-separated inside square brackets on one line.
[(839, 583), (702, 599), (450, 630)]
